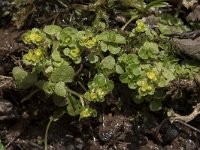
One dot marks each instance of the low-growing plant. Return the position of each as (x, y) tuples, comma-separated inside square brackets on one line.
[(61, 57), (78, 68)]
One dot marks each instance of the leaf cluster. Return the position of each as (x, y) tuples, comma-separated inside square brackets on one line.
[(145, 66), (54, 60)]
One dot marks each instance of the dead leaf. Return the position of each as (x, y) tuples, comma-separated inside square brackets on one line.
[(194, 15), (189, 3)]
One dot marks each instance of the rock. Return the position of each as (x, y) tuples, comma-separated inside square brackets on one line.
[(190, 47), (7, 110)]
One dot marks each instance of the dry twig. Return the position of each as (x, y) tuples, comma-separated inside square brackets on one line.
[(185, 119), (5, 82)]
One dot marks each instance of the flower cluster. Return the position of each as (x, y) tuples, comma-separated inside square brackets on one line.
[(34, 56)]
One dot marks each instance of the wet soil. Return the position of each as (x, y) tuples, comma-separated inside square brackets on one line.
[(9, 44)]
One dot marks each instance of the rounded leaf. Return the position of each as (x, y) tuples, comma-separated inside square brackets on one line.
[(119, 69), (93, 58), (52, 29), (60, 89), (64, 73), (108, 63), (155, 105), (19, 74), (114, 49)]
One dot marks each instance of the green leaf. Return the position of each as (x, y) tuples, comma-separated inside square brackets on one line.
[(109, 86), (111, 37), (155, 105), (74, 54), (114, 49), (88, 112), (169, 75), (70, 30), (48, 87), (57, 64), (123, 58), (93, 58), (133, 58), (59, 101), (74, 106), (156, 4), (119, 39), (99, 80), (164, 29), (138, 99), (124, 78), (56, 56), (48, 70), (162, 82), (149, 49), (64, 73), (24, 79), (97, 24), (119, 69), (19, 74), (52, 29), (60, 89), (68, 37), (143, 53), (132, 85), (134, 69), (98, 88), (108, 63), (104, 46)]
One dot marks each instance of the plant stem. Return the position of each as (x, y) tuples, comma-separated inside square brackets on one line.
[(30, 95), (46, 133), (130, 20), (83, 87), (76, 94)]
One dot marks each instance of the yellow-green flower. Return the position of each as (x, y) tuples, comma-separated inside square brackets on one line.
[(85, 113), (88, 112), (34, 36), (74, 53), (93, 95), (100, 92), (29, 55), (33, 56), (88, 42), (144, 86), (26, 39), (152, 75), (97, 93), (141, 26), (38, 52)]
